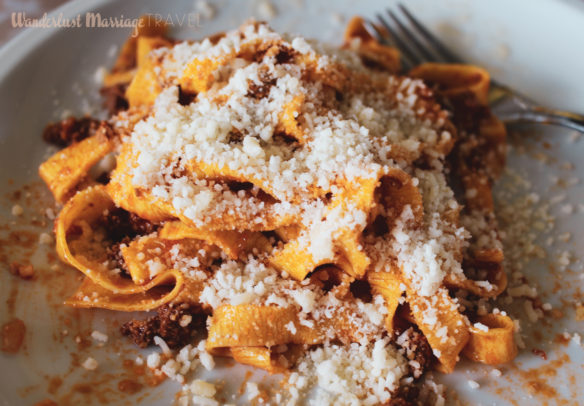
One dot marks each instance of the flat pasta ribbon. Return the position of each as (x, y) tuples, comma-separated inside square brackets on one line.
[(82, 251), (258, 325), (496, 344), (67, 168), (446, 330)]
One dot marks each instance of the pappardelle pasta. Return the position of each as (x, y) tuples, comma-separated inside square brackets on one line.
[(298, 197)]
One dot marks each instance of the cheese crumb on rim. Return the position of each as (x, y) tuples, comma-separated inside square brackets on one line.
[(90, 364)]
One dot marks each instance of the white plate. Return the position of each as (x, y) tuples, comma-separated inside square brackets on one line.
[(535, 47)]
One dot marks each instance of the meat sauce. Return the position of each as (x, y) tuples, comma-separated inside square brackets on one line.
[(13, 333), (169, 324)]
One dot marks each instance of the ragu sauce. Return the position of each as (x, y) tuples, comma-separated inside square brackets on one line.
[(13, 335)]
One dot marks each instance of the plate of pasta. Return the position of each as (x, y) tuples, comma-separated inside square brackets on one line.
[(253, 203)]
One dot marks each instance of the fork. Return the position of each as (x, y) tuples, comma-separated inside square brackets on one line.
[(418, 45)]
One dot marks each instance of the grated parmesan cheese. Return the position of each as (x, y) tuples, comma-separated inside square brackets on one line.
[(356, 374), (99, 336), (473, 384), (45, 238), (90, 364)]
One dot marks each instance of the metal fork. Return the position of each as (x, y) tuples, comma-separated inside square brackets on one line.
[(418, 45)]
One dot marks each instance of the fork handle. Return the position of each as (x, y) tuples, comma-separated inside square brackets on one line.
[(546, 116), (510, 106)]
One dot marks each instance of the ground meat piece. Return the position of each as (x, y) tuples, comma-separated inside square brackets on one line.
[(70, 130), (260, 91), (405, 396), (116, 258), (185, 98), (122, 227), (121, 224), (281, 53), (397, 401), (416, 349), (114, 98), (171, 330), (142, 332), (169, 324)]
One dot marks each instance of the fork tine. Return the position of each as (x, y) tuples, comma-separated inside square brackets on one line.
[(382, 37), (420, 48), (428, 36), (376, 32), (411, 58)]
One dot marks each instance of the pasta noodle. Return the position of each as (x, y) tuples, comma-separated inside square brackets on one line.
[(294, 194)]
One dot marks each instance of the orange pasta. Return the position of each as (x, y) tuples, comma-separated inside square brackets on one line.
[(298, 197)]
